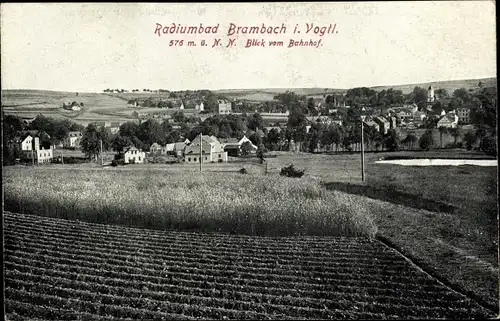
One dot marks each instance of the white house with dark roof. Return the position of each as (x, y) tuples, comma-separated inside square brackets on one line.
[(155, 148), (134, 155), (73, 140), (370, 123), (449, 120), (233, 146), (383, 123), (224, 106), (212, 150)]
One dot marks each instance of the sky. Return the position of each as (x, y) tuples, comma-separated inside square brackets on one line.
[(89, 47)]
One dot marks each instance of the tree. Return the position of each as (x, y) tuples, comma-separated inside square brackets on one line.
[(462, 95), (410, 140), (119, 143), (470, 139), (441, 93), (151, 132), (255, 121), (426, 141), (420, 97), (273, 139), (391, 140), (260, 154), (314, 140), (456, 133), (91, 141), (488, 145), (246, 148), (442, 130)]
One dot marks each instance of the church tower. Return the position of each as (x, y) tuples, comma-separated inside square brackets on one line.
[(430, 94)]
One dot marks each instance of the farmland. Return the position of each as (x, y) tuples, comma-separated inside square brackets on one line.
[(444, 218), (227, 202), (101, 272)]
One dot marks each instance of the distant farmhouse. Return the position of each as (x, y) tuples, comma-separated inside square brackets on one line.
[(172, 149), (73, 140), (224, 106), (212, 150), (232, 146), (463, 114), (30, 149), (72, 106), (134, 155), (449, 120), (200, 106)]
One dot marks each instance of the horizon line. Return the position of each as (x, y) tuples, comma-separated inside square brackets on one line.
[(272, 88)]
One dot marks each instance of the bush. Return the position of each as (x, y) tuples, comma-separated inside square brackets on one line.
[(290, 171), (454, 145), (426, 141), (114, 163), (489, 145), (243, 171)]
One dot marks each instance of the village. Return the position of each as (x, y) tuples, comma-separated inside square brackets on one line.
[(324, 112)]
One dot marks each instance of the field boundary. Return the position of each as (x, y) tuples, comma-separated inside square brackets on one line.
[(422, 267)]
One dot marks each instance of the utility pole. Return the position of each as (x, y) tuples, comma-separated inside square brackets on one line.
[(201, 152), (62, 155), (362, 151), (102, 162)]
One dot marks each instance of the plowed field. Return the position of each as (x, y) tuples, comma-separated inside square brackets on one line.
[(68, 270)]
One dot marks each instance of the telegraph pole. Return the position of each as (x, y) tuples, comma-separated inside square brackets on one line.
[(102, 162), (362, 151), (201, 152), (62, 155)]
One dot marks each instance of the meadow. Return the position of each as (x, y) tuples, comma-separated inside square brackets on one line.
[(227, 202)]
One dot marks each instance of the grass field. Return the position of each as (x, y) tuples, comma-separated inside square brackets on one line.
[(103, 272), (226, 202), (444, 218)]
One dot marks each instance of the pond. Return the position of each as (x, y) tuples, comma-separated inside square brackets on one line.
[(440, 162)]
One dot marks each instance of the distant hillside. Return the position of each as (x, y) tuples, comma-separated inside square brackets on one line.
[(449, 85), (261, 93)]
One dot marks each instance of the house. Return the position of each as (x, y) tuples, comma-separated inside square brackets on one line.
[(39, 156), (320, 120), (114, 127), (134, 155), (224, 106), (75, 107), (449, 120), (419, 115), (212, 150), (200, 106), (155, 148), (31, 151), (370, 123), (233, 146), (179, 147), (28, 142), (464, 113), (384, 125), (269, 128), (73, 140), (404, 114)]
